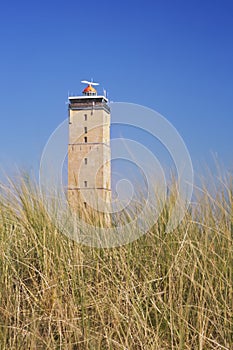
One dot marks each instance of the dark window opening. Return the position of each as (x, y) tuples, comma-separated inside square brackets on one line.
[(85, 139)]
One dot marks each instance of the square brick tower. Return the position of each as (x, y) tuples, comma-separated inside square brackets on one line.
[(89, 154)]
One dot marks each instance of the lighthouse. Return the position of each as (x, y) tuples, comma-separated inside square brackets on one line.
[(89, 153)]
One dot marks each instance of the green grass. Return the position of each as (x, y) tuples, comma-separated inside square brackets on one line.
[(163, 291)]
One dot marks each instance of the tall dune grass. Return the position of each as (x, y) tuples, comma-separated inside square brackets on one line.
[(163, 291)]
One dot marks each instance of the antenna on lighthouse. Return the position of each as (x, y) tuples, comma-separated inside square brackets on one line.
[(89, 82)]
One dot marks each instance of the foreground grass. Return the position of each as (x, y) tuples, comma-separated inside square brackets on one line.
[(163, 291)]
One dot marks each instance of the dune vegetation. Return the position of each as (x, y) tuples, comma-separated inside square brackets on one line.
[(163, 291)]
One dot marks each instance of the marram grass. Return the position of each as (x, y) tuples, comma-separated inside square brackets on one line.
[(164, 291)]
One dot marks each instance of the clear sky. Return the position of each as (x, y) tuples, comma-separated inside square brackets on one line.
[(175, 56)]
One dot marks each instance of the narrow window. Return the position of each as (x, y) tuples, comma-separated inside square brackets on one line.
[(85, 204), (85, 139), (85, 130), (85, 160), (85, 116), (85, 183)]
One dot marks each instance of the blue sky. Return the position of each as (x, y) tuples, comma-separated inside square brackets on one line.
[(173, 56)]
